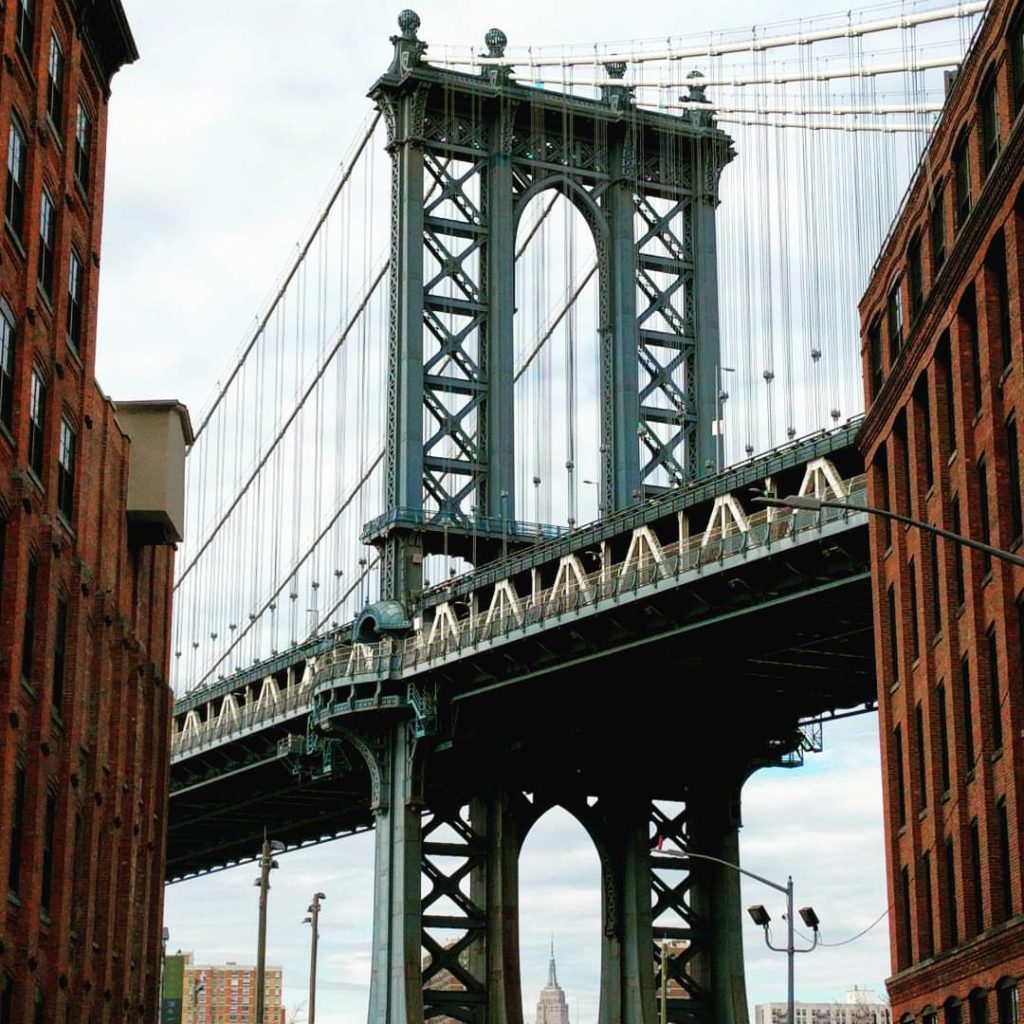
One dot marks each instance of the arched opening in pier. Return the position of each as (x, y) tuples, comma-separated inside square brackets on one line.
[(557, 362), (560, 917)]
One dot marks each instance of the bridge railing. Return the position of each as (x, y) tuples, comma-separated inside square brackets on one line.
[(256, 713), (572, 591)]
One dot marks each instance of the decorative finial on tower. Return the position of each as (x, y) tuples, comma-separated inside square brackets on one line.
[(616, 94), (552, 977), (495, 41), (408, 22), (408, 47), (697, 88)]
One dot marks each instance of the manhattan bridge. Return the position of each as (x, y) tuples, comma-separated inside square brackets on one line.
[(470, 518)]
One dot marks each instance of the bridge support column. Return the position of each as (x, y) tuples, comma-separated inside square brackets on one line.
[(395, 988), (627, 981), (714, 820)]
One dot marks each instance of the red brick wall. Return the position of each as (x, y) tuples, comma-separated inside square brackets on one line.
[(898, 438), (103, 751)]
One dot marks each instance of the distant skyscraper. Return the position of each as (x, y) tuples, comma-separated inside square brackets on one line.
[(551, 1006)]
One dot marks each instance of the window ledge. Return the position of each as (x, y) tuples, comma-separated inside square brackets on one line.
[(960, 610), (922, 814), (987, 578), (970, 775), (952, 457), (73, 354), (47, 301), (1007, 370), (27, 686), (895, 686), (13, 236), (8, 436), (978, 414), (12, 898), (946, 796), (65, 522), (30, 475), (996, 754), (83, 194), (55, 132)]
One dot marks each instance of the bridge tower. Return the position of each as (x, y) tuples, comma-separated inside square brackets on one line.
[(469, 152)]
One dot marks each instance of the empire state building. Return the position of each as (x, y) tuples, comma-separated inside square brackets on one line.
[(551, 1006)]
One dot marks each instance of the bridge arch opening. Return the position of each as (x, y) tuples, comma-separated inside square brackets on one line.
[(557, 389), (560, 917)]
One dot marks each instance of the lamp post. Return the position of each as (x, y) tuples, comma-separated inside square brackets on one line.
[(761, 917), (313, 919), (267, 863), (812, 504), (600, 505)]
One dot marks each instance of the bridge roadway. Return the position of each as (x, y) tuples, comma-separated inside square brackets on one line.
[(676, 631)]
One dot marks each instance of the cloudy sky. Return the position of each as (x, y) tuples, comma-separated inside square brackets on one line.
[(222, 140)]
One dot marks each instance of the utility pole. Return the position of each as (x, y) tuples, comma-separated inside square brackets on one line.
[(267, 863), (313, 919)]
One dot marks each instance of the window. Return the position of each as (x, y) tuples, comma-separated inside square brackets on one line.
[(929, 911), (961, 180), (24, 28), (958, 552), (894, 654), (55, 85), (14, 202), (36, 424), (83, 145), (6, 998), (29, 625), (47, 238), (915, 639), (882, 480), (894, 305), (922, 763), (937, 229), (984, 527), (988, 101), (967, 316), (875, 356), (945, 364), (905, 502), (1006, 1001), (1013, 480), (940, 693), (38, 1011), (905, 946), (73, 331), (979, 905), (17, 828), (6, 369), (977, 1003), (936, 589), (46, 865), (1004, 859), (66, 470), (952, 1011), (993, 683), (1017, 63), (3, 547), (954, 928), (968, 710), (915, 275), (60, 640), (999, 287), (925, 420), (901, 791)]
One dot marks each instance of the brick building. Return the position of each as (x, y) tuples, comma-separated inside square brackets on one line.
[(944, 376), (218, 993), (87, 525)]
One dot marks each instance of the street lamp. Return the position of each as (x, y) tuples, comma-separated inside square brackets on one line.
[(763, 918), (267, 864), (600, 505), (313, 919), (812, 504)]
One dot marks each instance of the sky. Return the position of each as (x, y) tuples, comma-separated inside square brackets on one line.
[(222, 139)]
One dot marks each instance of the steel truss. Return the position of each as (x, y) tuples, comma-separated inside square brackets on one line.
[(469, 153)]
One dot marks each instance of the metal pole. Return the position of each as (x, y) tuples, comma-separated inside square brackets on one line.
[(664, 982), (790, 952), (261, 936), (315, 912)]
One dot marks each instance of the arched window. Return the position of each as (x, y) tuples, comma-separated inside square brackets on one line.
[(952, 1011), (977, 1003), (1006, 1001)]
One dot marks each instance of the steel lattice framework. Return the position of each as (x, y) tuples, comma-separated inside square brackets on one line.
[(469, 153)]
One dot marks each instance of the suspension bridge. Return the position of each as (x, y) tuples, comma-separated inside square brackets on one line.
[(470, 518)]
